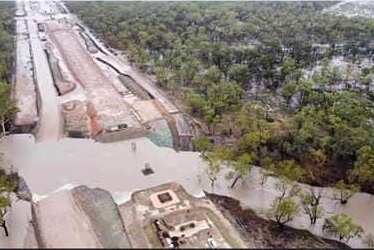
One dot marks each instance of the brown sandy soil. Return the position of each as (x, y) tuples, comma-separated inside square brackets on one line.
[(61, 223), (264, 233)]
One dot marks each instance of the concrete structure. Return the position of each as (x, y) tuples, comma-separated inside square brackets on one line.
[(183, 130), (167, 216), (72, 65), (161, 216), (76, 121), (49, 122), (62, 85), (24, 84), (147, 111), (107, 111)]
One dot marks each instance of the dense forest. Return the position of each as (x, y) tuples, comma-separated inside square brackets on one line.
[(259, 75), (6, 40), (7, 30)]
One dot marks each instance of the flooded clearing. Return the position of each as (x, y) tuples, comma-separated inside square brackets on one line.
[(48, 166)]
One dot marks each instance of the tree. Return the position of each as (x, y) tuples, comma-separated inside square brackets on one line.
[(310, 203), (343, 227), (202, 144), (213, 169), (241, 167), (363, 171), (283, 210), (305, 89), (224, 96), (4, 206), (290, 170), (345, 191), (288, 173), (283, 184), (217, 156), (240, 74), (317, 157), (289, 70), (7, 106), (196, 102), (7, 185), (162, 75), (266, 170), (288, 91), (223, 153)]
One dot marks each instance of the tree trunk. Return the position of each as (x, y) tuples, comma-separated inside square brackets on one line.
[(313, 220), (341, 237), (280, 224), (235, 181), (3, 225), (212, 183), (3, 126)]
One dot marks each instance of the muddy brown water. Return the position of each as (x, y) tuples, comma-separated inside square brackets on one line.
[(48, 166)]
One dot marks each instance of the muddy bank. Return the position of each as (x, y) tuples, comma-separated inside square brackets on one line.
[(265, 234)]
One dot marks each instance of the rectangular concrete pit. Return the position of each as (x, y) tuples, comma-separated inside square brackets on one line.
[(76, 120)]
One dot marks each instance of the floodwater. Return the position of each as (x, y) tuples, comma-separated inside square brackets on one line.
[(47, 166)]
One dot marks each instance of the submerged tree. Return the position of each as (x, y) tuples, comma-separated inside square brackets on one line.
[(213, 169), (266, 170), (310, 203), (343, 227), (241, 167), (215, 158), (289, 173), (202, 144), (345, 191), (284, 210)]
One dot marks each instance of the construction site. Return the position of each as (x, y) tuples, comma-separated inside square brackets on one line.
[(25, 88), (166, 216), (162, 216), (98, 95)]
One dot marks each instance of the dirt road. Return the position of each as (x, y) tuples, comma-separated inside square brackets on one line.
[(49, 128)]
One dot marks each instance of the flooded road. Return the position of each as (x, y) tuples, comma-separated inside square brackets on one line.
[(47, 166)]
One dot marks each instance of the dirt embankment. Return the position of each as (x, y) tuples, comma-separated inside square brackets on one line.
[(79, 217), (265, 234)]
